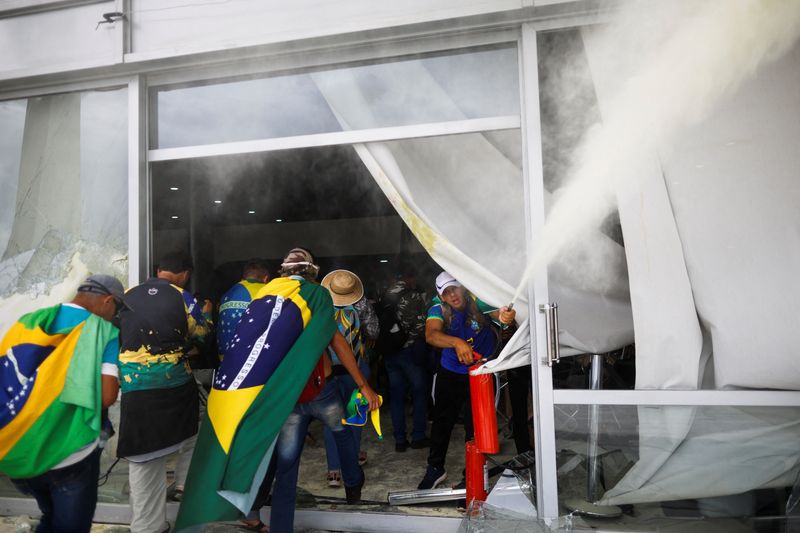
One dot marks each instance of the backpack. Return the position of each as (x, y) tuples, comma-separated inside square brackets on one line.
[(392, 336), (315, 383)]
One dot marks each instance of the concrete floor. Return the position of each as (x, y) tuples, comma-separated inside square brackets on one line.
[(385, 470)]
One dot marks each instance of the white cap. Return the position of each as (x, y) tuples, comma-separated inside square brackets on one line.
[(445, 280)]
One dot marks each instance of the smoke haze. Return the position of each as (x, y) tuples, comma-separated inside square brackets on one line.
[(671, 62)]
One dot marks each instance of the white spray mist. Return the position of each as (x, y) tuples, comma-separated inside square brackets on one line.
[(673, 61)]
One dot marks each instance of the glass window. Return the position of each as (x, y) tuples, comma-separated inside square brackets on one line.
[(456, 86), (63, 206), (671, 463)]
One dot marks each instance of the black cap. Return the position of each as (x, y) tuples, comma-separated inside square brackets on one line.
[(104, 285)]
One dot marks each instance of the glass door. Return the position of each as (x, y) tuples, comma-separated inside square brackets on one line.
[(681, 421)]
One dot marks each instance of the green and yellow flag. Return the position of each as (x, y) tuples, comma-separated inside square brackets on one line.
[(50, 396), (277, 343)]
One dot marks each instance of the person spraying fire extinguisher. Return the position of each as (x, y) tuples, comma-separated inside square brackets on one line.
[(459, 323)]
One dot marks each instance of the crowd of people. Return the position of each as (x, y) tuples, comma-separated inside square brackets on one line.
[(140, 343)]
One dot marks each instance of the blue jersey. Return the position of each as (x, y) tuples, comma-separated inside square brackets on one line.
[(231, 308), (482, 339)]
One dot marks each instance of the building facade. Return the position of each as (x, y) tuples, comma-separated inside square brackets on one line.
[(109, 107)]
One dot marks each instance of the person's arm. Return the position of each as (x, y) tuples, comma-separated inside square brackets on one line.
[(348, 360), (109, 372), (198, 318), (435, 336), (504, 315), (110, 390)]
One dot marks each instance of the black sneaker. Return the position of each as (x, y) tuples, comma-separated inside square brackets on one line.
[(461, 484), (353, 494), (421, 443), (433, 477), (400, 447)]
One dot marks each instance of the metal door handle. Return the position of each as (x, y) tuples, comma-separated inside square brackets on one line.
[(551, 319)]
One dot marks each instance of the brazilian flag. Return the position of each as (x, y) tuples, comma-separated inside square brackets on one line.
[(277, 343), (50, 390)]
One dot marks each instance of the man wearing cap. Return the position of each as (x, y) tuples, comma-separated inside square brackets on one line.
[(159, 409), (58, 370), (326, 407), (346, 290), (458, 325), (234, 302)]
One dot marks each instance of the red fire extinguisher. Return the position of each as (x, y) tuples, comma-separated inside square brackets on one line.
[(476, 474), (484, 417)]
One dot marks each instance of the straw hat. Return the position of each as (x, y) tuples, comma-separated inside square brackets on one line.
[(344, 286)]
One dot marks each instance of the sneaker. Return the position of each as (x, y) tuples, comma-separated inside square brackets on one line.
[(353, 494), (433, 477), (461, 484), (424, 442), (334, 478), (362, 458), (400, 447)]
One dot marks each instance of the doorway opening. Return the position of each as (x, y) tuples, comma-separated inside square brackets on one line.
[(226, 210)]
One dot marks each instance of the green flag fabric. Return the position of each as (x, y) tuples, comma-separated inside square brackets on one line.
[(277, 343)]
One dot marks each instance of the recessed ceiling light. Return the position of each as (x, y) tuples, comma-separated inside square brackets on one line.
[(217, 201), (278, 220), (174, 216), (174, 189), (384, 261), (252, 212)]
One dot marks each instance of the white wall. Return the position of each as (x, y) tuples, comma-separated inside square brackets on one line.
[(178, 27), (38, 38), (59, 40)]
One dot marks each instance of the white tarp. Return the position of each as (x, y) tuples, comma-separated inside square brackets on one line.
[(462, 197), (706, 452), (711, 217), (712, 235)]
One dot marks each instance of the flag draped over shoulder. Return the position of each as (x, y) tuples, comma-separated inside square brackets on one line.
[(50, 391), (277, 343)]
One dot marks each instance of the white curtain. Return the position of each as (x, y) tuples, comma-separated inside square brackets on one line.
[(462, 197), (695, 453), (712, 235), (711, 227)]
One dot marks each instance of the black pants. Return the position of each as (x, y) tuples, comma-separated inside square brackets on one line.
[(519, 386), (451, 395)]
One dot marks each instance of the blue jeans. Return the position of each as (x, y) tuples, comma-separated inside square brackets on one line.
[(345, 385), (327, 408), (66, 496), (406, 368)]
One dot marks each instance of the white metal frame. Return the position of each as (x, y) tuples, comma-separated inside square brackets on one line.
[(693, 398), (138, 183), (533, 171), (415, 131)]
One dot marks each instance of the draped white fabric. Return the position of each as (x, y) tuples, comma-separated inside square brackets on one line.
[(713, 249), (462, 196), (711, 234), (694, 452)]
